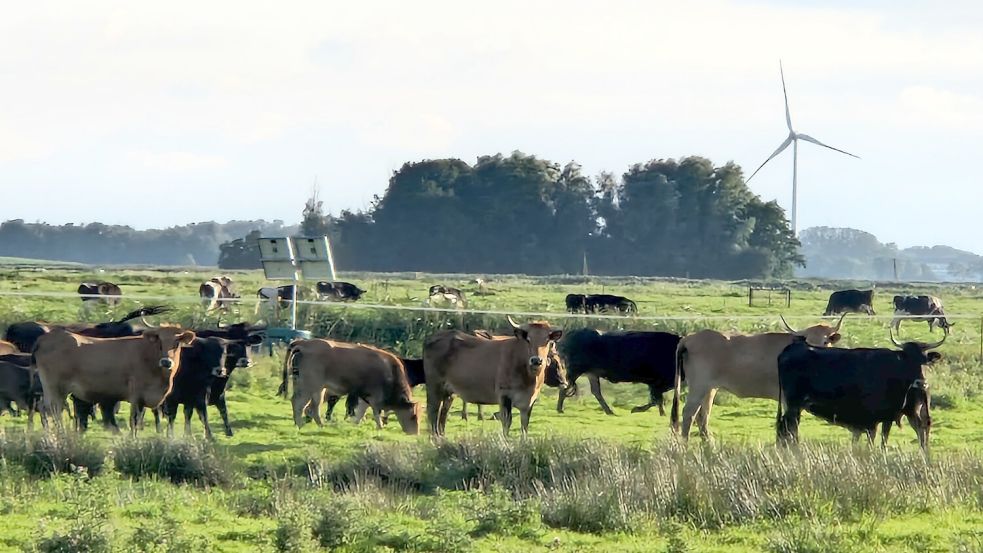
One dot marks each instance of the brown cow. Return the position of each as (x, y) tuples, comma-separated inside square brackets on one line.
[(137, 369), (746, 366), (376, 376), (508, 372), (6, 348)]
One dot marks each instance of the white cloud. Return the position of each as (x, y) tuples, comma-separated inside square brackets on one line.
[(934, 107)]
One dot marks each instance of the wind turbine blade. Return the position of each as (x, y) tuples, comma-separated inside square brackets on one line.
[(808, 138), (778, 151), (788, 116)]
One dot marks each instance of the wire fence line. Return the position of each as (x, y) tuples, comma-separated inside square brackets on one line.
[(518, 313)]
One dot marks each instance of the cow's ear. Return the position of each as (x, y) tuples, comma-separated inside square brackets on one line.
[(522, 334), (835, 337), (254, 339), (186, 337), (555, 335), (933, 356)]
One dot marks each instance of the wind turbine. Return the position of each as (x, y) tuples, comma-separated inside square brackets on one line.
[(793, 139)]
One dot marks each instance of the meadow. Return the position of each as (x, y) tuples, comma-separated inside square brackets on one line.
[(582, 481)]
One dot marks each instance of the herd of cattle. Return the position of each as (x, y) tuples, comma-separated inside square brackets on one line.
[(163, 367)]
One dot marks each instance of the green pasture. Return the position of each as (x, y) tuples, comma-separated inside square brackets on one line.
[(403, 494)]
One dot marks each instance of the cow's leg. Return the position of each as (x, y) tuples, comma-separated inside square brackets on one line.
[(445, 411), (464, 410), (434, 402), (223, 410), (316, 408), (360, 411), (505, 413), (170, 411), (595, 388), (299, 404), (481, 413), (703, 416), (156, 412), (571, 385), (202, 407), (885, 432), (524, 415), (692, 406), (377, 416), (655, 398), (189, 410), (788, 426), (136, 413), (332, 401)]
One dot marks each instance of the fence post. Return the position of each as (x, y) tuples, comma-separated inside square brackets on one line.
[(981, 339)]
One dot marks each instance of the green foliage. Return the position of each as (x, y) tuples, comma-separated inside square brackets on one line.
[(178, 461), (499, 513), (89, 530), (293, 532), (163, 534), (48, 454), (336, 522)]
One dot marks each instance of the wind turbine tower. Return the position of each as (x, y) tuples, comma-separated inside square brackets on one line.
[(793, 139)]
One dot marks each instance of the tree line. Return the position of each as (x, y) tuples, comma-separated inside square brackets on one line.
[(522, 214)]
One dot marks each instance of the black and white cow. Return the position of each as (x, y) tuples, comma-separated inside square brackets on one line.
[(217, 293), (338, 291), (920, 308), (850, 301), (440, 295)]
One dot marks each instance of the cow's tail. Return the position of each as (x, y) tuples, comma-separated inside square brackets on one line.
[(677, 386), (780, 430), (288, 358)]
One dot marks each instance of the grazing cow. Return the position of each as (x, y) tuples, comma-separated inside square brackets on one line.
[(7, 348), (920, 308), (375, 376), (279, 297), (217, 293), (746, 366), (104, 292), (508, 371), (16, 388), (24, 335), (576, 303), (440, 295), (414, 376), (850, 301), (137, 369), (604, 302), (641, 357), (856, 388), (338, 291)]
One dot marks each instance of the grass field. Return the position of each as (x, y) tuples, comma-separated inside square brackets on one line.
[(582, 481)]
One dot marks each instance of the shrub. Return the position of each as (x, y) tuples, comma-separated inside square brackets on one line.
[(89, 532), (336, 522), (177, 460), (164, 535), (293, 532), (500, 514), (61, 452)]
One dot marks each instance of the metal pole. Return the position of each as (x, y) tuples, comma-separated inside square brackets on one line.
[(293, 308), (795, 183), (981, 339)]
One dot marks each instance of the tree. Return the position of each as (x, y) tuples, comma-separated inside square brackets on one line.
[(314, 222)]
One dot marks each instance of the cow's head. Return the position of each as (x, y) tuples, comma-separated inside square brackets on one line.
[(820, 335), (917, 400), (239, 354), (556, 373), (538, 338), (409, 417), (166, 343)]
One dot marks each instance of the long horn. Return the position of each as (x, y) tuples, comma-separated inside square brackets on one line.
[(839, 323), (511, 322), (927, 347), (147, 324), (788, 328), (894, 340)]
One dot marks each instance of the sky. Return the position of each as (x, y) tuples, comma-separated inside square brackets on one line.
[(159, 114)]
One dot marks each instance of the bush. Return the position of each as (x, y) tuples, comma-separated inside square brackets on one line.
[(89, 532), (336, 522), (164, 535), (500, 514), (178, 461), (293, 532), (48, 454)]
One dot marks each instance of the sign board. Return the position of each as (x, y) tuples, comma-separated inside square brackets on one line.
[(314, 258)]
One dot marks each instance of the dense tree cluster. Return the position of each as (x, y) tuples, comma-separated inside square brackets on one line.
[(96, 243), (521, 214)]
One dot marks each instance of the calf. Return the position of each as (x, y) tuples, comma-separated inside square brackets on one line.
[(374, 375), (920, 308), (850, 301), (414, 376), (856, 388), (640, 357), (16, 386)]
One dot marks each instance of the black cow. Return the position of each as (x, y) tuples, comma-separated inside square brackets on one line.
[(920, 308), (856, 388), (642, 357), (850, 301), (206, 366), (16, 388), (603, 302), (105, 292), (576, 303), (338, 291), (25, 334)]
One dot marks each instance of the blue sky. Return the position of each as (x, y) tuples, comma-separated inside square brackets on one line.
[(160, 114)]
